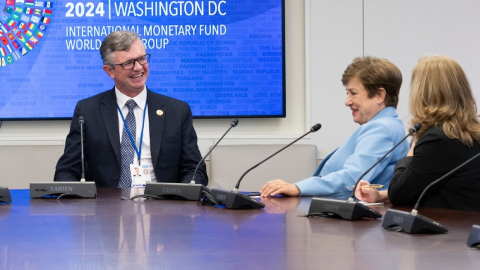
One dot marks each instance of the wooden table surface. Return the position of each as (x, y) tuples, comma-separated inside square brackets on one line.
[(110, 233)]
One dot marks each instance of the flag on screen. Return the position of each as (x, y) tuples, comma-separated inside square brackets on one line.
[(47, 12), (42, 27), (22, 25), (48, 4), (25, 18), (2, 62), (29, 2), (16, 45), (15, 16), (9, 49), (24, 51), (45, 20), (38, 3), (18, 9), (20, 1), (3, 16), (11, 23), (27, 33), (6, 26), (39, 34), (10, 2), (4, 40), (28, 10), (22, 39), (31, 26), (35, 19), (33, 40), (16, 31), (16, 55), (3, 52), (8, 10), (29, 46), (37, 11), (3, 29), (10, 36), (9, 59)]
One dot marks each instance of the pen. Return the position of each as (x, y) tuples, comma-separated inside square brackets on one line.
[(369, 186)]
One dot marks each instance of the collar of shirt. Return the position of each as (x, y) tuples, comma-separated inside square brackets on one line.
[(140, 99)]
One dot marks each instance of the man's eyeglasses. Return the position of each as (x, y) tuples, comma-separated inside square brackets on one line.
[(142, 60)]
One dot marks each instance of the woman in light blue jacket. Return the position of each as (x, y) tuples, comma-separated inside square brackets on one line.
[(373, 86)]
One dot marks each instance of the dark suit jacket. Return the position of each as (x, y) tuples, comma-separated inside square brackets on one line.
[(173, 141), (434, 156)]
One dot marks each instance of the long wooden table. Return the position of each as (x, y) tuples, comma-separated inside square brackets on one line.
[(110, 233)]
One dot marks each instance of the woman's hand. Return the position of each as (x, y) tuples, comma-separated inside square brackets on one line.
[(278, 186), (370, 195)]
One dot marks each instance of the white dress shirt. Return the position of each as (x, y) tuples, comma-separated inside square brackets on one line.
[(140, 99)]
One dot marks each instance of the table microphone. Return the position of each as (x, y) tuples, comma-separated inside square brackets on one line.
[(411, 222), (5, 195), (233, 199), (474, 237), (349, 209), (190, 191), (77, 189)]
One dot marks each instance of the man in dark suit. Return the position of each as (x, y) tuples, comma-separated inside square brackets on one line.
[(162, 135)]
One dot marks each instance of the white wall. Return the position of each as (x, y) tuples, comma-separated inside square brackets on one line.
[(400, 31), (403, 31), (333, 39)]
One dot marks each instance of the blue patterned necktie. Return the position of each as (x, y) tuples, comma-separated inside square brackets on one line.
[(126, 147)]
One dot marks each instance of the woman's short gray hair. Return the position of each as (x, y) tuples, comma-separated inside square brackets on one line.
[(116, 41)]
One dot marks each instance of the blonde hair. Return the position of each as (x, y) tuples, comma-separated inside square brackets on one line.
[(440, 95)]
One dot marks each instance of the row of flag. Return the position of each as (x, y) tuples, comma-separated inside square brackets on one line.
[(29, 3), (17, 11), (11, 21), (19, 32)]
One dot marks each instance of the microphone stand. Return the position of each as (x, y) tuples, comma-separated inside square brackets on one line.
[(233, 199), (60, 189), (190, 191), (413, 222), (5, 195), (349, 209)]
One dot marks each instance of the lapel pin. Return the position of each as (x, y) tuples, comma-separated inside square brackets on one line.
[(159, 112)]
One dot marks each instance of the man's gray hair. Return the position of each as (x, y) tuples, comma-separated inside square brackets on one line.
[(116, 41)]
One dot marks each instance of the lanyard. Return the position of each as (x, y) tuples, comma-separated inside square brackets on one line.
[(138, 151)]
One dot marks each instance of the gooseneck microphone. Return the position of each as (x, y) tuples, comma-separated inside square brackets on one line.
[(315, 128), (349, 209), (413, 222), (232, 125), (61, 189), (233, 199), (190, 191), (81, 121)]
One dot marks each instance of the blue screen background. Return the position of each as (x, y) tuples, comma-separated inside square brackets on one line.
[(227, 62)]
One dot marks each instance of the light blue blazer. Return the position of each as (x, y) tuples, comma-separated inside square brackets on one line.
[(362, 149)]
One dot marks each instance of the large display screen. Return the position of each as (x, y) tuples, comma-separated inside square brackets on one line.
[(225, 58)]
